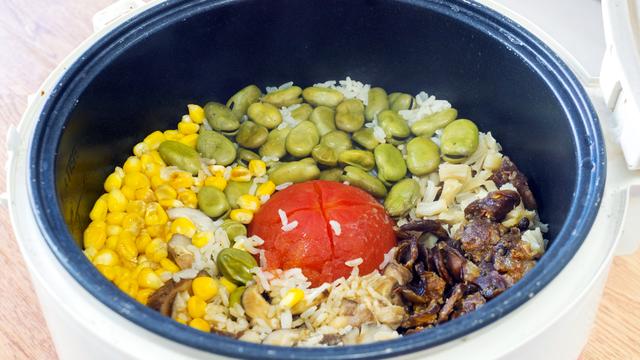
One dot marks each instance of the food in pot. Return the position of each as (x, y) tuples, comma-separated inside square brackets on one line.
[(337, 214)]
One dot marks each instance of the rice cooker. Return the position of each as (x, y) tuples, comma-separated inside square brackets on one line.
[(571, 122)]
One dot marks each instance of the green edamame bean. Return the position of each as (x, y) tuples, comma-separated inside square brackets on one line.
[(350, 115), (394, 126), (302, 112), (233, 229), (400, 101), (264, 114), (216, 146), (360, 158), (423, 156), (285, 97), (235, 264), (251, 135), (245, 155), (212, 201), (318, 96), (324, 155), (363, 180), (459, 140), (240, 101), (376, 102), (402, 197), (365, 138), (323, 117), (429, 124), (334, 174), (236, 296), (302, 138), (337, 140), (275, 144), (178, 154), (295, 172), (220, 117), (234, 190), (391, 165)]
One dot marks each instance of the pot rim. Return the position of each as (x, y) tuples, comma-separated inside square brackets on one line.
[(591, 173)]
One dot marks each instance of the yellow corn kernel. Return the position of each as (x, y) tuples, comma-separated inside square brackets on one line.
[(157, 158), (116, 201), (190, 140), (145, 194), (180, 180), (155, 230), (106, 257), (136, 180), (198, 181), (172, 135), (292, 297), (188, 198), (112, 242), (100, 208), (249, 202), (90, 253), (171, 203), (166, 192), (136, 207), (95, 237), (204, 287), (143, 295), (183, 226), (154, 140), (142, 241), (216, 181), (257, 167), (200, 324), (169, 265), (228, 284), (217, 170), (201, 238), (147, 278), (113, 181), (149, 166), (156, 181), (115, 218), (240, 174), (132, 165), (196, 113), (127, 248), (128, 285), (182, 319), (140, 149), (188, 128), (107, 271), (156, 250), (132, 223), (241, 215), (266, 188), (155, 215), (129, 192), (113, 230), (196, 307)]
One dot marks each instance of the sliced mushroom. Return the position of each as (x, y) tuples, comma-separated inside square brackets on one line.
[(283, 337), (331, 339), (424, 316), (373, 332), (162, 299), (424, 226), (491, 284), (398, 272), (255, 306), (392, 316), (178, 251), (456, 295), (509, 173)]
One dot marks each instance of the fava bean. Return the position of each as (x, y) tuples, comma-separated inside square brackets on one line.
[(361, 158), (402, 197), (400, 101), (235, 264), (302, 138), (350, 115), (324, 155), (212, 201), (233, 229), (251, 135), (321, 96), (376, 102), (246, 155), (429, 124), (221, 118), (240, 101), (178, 154), (394, 126), (363, 180), (236, 296), (323, 117), (302, 112), (234, 190), (216, 146), (285, 97), (459, 140), (295, 172), (423, 156), (334, 174), (265, 114), (365, 138), (275, 144), (391, 165), (337, 140)]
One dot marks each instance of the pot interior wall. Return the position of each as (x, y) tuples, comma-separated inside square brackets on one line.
[(396, 45)]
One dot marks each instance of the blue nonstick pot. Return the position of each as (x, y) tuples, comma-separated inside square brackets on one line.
[(138, 77)]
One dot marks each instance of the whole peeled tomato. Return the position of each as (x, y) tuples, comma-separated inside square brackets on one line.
[(314, 245)]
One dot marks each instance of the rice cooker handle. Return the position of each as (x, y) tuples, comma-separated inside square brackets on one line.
[(114, 11)]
